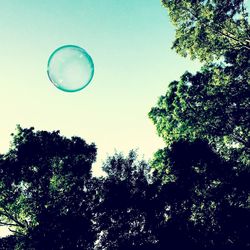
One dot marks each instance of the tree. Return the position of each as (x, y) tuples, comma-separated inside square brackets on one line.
[(207, 29), (204, 120), (128, 203), (57, 204), (212, 104), (44, 190), (134, 208), (198, 201), (206, 197)]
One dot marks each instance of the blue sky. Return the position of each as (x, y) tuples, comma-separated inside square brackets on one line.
[(130, 43)]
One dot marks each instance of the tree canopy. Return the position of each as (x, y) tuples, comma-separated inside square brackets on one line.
[(213, 103), (207, 29), (210, 105), (41, 176), (198, 200)]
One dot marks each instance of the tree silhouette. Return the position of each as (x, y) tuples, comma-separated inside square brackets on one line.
[(207, 197), (196, 199), (127, 203), (204, 120), (44, 190)]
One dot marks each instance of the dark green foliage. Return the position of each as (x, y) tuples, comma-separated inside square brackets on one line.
[(41, 177), (204, 119), (196, 200), (212, 104), (207, 196), (127, 204)]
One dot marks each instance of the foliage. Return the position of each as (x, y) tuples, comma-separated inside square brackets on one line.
[(212, 104), (127, 204), (207, 197), (204, 119), (207, 29), (41, 176), (198, 200)]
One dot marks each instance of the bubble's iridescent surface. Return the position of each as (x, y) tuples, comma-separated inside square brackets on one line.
[(70, 68)]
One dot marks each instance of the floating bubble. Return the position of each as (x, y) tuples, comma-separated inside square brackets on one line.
[(70, 68)]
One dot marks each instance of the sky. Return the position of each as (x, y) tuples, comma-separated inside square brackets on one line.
[(130, 43)]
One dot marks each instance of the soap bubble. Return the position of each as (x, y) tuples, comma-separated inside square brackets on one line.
[(70, 68)]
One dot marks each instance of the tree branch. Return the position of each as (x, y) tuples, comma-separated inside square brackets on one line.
[(16, 232), (232, 38), (239, 139), (228, 35), (7, 224), (9, 216)]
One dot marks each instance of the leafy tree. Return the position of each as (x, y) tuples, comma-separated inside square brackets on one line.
[(204, 120), (207, 29), (44, 190), (199, 200), (212, 104), (127, 205), (206, 197)]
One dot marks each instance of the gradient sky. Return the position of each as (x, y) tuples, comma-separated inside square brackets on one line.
[(130, 43)]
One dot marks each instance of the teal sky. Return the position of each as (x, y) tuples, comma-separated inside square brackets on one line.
[(130, 43)]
